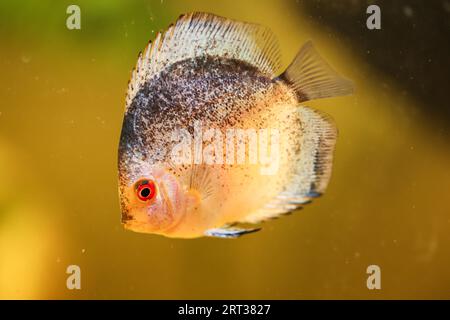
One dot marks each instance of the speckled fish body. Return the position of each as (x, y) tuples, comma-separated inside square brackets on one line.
[(214, 79)]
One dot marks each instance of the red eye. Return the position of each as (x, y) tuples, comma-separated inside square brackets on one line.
[(146, 190)]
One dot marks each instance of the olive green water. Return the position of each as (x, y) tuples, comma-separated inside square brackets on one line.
[(62, 98)]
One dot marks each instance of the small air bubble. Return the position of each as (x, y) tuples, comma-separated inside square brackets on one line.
[(25, 59), (408, 11)]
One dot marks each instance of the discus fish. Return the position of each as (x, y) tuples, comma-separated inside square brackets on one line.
[(213, 140)]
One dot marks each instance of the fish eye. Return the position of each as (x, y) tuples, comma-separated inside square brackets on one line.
[(146, 190)]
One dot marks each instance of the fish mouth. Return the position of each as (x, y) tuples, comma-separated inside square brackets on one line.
[(126, 221), (126, 217), (133, 225)]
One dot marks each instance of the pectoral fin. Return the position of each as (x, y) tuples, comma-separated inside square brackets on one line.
[(229, 232)]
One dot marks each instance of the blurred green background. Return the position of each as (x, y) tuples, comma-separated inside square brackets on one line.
[(62, 99)]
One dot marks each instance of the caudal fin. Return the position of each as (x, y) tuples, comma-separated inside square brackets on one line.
[(313, 78)]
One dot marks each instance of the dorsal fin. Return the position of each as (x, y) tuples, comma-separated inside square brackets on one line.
[(199, 34)]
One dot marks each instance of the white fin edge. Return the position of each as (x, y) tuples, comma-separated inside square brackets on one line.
[(199, 34), (229, 232)]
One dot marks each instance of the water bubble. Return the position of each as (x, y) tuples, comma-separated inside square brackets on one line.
[(25, 58), (408, 11)]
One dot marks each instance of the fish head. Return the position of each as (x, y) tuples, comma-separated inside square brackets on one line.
[(151, 202)]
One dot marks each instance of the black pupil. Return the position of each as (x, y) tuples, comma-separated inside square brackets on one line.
[(145, 192)]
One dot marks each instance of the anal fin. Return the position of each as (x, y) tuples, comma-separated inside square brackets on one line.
[(229, 232)]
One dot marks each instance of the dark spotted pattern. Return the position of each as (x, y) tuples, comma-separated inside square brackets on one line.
[(219, 92)]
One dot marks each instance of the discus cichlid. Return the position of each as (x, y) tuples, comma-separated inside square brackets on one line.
[(213, 139)]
